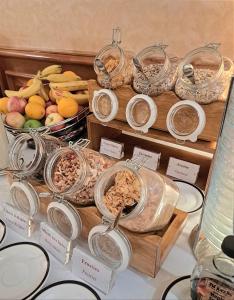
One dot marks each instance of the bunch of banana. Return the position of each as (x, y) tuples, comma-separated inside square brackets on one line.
[(70, 86), (81, 99), (57, 78), (53, 69), (27, 92)]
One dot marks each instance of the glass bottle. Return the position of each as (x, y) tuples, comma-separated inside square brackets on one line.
[(213, 279)]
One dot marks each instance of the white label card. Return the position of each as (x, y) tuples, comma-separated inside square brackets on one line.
[(55, 243), (111, 148), (91, 270), (182, 170), (17, 220), (151, 159)]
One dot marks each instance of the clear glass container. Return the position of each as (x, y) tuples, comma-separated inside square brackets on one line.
[(146, 198), (141, 112), (213, 278), (30, 162), (157, 72), (72, 171), (186, 120), (113, 65), (65, 219), (111, 247), (204, 75)]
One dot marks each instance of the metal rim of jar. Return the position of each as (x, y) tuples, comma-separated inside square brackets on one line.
[(40, 149), (102, 182), (30, 193), (121, 64), (187, 60), (48, 170), (166, 67), (118, 237), (71, 215)]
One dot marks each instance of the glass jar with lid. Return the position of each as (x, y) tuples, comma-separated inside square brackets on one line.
[(154, 72), (26, 162), (146, 198), (113, 67), (204, 75), (186, 120), (72, 172)]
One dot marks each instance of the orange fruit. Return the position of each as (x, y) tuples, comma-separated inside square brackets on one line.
[(29, 82), (37, 99), (35, 111), (70, 73), (3, 105), (67, 107)]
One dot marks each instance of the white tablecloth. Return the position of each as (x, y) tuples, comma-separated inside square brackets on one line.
[(129, 284)]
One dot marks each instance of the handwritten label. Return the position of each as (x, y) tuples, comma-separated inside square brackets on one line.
[(111, 148), (182, 170), (91, 270), (150, 159), (55, 243), (17, 220)]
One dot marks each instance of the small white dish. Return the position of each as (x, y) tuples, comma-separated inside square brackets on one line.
[(68, 289), (2, 231), (191, 197), (178, 289), (23, 269)]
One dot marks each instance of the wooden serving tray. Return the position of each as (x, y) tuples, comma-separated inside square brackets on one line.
[(213, 111), (148, 250)]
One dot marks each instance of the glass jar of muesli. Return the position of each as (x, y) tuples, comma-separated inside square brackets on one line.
[(204, 75), (154, 72), (146, 198), (72, 172)]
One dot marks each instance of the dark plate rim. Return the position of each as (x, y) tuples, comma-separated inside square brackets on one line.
[(47, 259), (174, 282), (4, 233), (66, 282), (198, 189)]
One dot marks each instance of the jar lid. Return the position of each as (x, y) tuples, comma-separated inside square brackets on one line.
[(25, 159), (141, 112), (25, 198), (65, 218), (65, 170), (186, 120), (112, 247), (105, 105), (206, 64)]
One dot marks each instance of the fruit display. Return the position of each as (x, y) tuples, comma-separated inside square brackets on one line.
[(51, 97)]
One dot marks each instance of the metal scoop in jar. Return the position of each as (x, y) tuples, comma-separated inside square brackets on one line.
[(188, 71), (100, 65)]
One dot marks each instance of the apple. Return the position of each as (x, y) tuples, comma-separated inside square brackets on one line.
[(15, 119), (32, 124), (53, 119), (13, 104), (23, 103), (51, 109)]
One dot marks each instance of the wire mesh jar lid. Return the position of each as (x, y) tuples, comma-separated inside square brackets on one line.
[(112, 247), (105, 105), (186, 120), (141, 112), (25, 198), (64, 217)]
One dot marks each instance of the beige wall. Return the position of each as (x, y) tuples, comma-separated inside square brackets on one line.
[(85, 25)]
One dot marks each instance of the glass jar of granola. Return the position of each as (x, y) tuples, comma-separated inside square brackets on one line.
[(154, 72), (204, 75), (73, 171), (27, 162), (146, 198)]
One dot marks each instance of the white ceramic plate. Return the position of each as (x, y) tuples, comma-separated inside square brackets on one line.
[(191, 197), (2, 231), (68, 289), (23, 269), (178, 289)]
